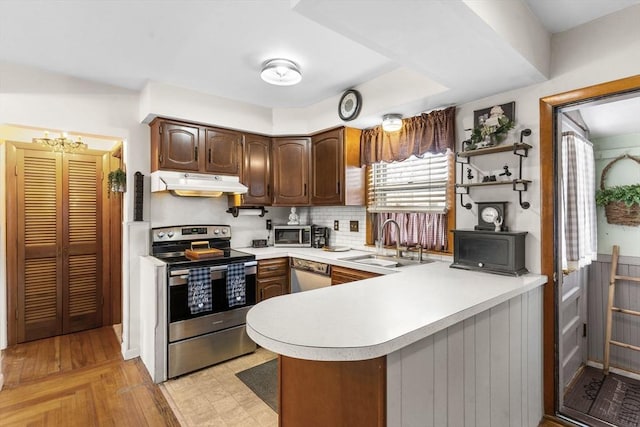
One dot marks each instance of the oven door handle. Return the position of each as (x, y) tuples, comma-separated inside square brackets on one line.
[(185, 273)]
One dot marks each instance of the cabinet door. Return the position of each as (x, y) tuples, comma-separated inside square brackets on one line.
[(256, 174), (82, 242), (223, 150), (272, 287), (340, 275), (290, 171), (179, 145), (327, 168), (39, 245)]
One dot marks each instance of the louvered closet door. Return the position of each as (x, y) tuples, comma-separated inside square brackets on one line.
[(82, 242), (39, 199)]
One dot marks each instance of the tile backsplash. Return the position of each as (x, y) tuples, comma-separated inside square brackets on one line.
[(325, 216)]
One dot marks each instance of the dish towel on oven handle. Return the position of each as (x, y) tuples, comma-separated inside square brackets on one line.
[(199, 290), (236, 285)]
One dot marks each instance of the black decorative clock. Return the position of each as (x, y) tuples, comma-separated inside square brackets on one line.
[(349, 105), (492, 215)]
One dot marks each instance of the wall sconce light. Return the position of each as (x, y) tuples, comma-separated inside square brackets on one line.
[(392, 122), (281, 72)]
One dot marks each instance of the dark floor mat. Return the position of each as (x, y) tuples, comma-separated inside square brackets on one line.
[(263, 381), (612, 398)]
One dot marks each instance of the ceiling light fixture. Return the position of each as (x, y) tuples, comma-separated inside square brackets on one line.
[(281, 72), (392, 122), (62, 143)]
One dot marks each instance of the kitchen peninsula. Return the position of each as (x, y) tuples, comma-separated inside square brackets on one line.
[(428, 345)]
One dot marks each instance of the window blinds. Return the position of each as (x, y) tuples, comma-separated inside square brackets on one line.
[(412, 185)]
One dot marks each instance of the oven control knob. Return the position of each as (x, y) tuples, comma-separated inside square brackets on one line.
[(224, 231), (161, 234), (480, 264), (170, 234), (216, 231)]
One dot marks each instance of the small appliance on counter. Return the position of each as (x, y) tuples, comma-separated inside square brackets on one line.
[(320, 236), (259, 243), (294, 236)]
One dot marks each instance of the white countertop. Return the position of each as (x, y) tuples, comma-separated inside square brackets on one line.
[(333, 258), (374, 317)]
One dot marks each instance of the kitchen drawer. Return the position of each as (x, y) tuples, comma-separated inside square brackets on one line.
[(341, 275), (273, 267)]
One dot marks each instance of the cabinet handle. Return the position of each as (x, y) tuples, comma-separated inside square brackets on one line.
[(261, 293), (305, 189), (268, 190), (160, 158), (209, 155), (338, 186), (195, 152)]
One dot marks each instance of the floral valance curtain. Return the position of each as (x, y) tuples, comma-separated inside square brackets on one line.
[(432, 132)]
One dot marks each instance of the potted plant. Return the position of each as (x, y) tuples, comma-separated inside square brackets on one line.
[(117, 181)]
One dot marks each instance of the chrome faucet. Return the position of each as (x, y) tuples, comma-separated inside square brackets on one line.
[(398, 253)]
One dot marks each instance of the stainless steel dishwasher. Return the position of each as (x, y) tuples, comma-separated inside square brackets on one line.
[(308, 275)]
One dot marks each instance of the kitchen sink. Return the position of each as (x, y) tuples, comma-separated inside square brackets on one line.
[(385, 261)]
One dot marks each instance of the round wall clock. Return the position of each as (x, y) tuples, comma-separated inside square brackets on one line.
[(488, 212), (349, 105)]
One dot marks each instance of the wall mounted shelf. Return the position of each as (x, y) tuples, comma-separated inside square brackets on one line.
[(519, 149)]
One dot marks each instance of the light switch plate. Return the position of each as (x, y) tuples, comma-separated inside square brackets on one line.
[(353, 225), (336, 225)]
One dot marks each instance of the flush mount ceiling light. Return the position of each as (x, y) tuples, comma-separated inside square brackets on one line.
[(391, 122), (281, 72)]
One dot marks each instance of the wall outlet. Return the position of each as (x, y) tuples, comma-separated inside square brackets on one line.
[(353, 226), (336, 225), (268, 224)]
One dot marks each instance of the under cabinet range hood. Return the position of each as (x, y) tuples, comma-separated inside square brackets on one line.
[(196, 184)]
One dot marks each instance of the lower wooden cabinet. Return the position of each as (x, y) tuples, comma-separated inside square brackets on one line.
[(341, 275), (273, 278), (320, 393)]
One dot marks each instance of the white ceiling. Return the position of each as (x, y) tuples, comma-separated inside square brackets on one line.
[(217, 47)]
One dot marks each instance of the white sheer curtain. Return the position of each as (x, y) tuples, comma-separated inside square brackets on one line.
[(578, 206)]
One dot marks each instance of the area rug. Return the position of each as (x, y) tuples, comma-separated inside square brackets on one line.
[(612, 398), (263, 381)]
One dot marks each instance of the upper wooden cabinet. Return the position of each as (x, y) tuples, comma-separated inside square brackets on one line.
[(223, 150), (336, 175), (190, 147), (257, 170), (290, 171), (175, 146)]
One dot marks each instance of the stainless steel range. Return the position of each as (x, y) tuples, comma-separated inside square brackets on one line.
[(205, 320)]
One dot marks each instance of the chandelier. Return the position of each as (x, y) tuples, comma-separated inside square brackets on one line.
[(62, 143)]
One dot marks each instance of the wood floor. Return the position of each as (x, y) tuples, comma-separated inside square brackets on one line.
[(78, 380)]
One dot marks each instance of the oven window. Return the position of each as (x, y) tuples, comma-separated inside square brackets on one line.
[(178, 296)]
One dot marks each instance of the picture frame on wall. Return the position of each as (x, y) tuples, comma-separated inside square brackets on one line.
[(479, 116)]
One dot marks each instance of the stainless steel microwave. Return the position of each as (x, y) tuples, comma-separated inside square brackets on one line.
[(499, 252), (292, 236)]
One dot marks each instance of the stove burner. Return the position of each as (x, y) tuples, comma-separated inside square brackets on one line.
[(169, 245)]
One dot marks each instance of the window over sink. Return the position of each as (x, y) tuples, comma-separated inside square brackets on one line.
[(417, 194)]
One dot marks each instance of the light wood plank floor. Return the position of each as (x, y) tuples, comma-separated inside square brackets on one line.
[(79, 380)]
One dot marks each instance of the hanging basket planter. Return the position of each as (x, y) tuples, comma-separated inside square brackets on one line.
[(621, 203)]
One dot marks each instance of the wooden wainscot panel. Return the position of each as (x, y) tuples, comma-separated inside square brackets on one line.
[(346, 393)]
